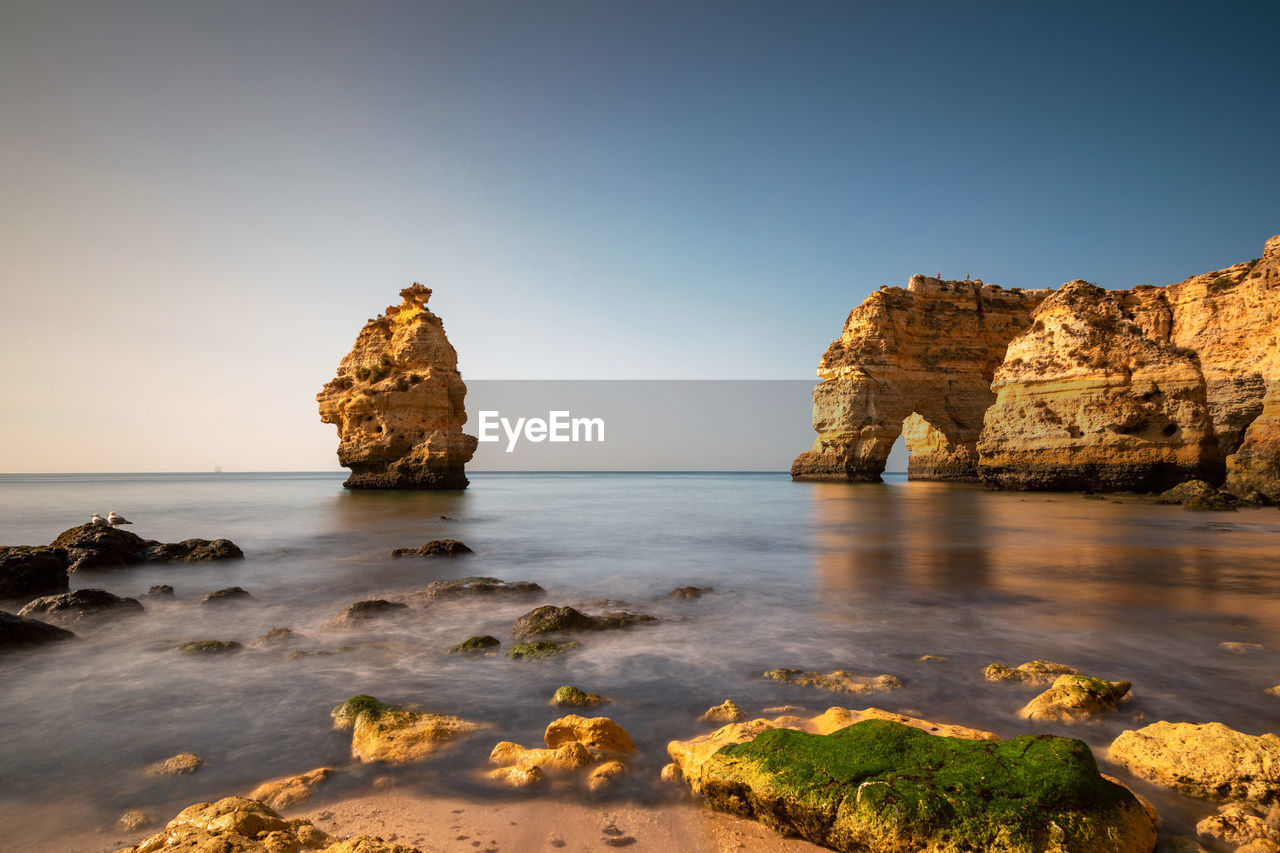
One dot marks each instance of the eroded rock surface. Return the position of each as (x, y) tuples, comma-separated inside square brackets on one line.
[(589, 748), (21, 632), (475, 587), (1073, 698), (1032, 672), (550, 619), (1078, 388), (290, 791), (82, 605), (398, 402), (28, 571), (1208, 760), (97, 546), (839, 681), (395, 735)]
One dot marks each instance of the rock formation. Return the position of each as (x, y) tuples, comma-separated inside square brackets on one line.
[(398, 402), (1078, 388)]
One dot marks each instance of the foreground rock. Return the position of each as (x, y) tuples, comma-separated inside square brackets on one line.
[(26, 571), (1031, 672), (398, 402), (240, 825), (839, 681), (1243, 824), (20, 632), (1184, 492), (1078, 388), (83, 605), (394, 735), (726, 712), (884, 785), (1073, 698), (435, 548), (1208, 760), (95, 546), (550, 619), (590, 745), (476, 587), (291, 791)]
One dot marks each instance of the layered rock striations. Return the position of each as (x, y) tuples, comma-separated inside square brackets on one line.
[(931, 351), (398, 402), (1078, 388)]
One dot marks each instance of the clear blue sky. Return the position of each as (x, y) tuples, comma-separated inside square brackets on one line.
[(204, 201)]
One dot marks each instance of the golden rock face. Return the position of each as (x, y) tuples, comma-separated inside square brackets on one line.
[(398, 402), (1078, 388)]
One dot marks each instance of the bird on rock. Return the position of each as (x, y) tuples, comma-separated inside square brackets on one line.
[(115, 519), (97, 519)]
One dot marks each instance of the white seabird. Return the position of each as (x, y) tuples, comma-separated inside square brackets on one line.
[(116, 520), (97, 519)]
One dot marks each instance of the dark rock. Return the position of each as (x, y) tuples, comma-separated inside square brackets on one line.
[(362, 611), (1213, 503), (96, 546), (475, 644), (222, 596), (27, 571), (435, 548), (1184, 492), (160, 590), (550, 619), (209, 647), (476, 586), (73, 607), (686, 592), (17, 632), (195, 550)]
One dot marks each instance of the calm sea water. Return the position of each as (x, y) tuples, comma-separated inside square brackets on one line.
[(818, 576)]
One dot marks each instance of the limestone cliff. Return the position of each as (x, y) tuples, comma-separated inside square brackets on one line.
[(398, 402), (1088, 388), (931, 349)]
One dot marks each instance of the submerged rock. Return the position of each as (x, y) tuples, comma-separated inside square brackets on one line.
[(538, 650), (475, 644), (569, 696), (96, 546), (133, 820), (1031, 672), (277, 636), (28, 571), (381, 732), (688, 592), (550, 619), (209, 647), (398, 402), (363, 611), (435, 548), (1073, 698), (476, 587), (1218, 502), (882, 785), (81, 605), (839, 681), (21, 632), (178, 765), (160, 590), (291, 791), (726, 712), (240, 825), (225, 596), (1208, 760)]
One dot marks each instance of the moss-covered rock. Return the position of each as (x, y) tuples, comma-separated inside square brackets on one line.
[(569, 696), (550, 619), (381, 732), (1031, 672), (1073, 698), (97, 546), (880, 785), (194, 551), (209, 647), (1211, 503), (475, 644), (435, 548), (839, 681), (538, 650)]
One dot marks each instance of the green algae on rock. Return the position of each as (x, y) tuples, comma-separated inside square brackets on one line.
[(839, 681), (209, 647), (381, 732), (475, 644), (568, 695), (1075, 697), (884, 786), (538, 650)]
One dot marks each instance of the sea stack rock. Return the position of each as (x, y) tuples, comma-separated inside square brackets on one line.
[(926, 356), (1078, 388), (398, 402)]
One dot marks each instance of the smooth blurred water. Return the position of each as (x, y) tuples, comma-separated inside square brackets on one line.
[(817, 576)]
